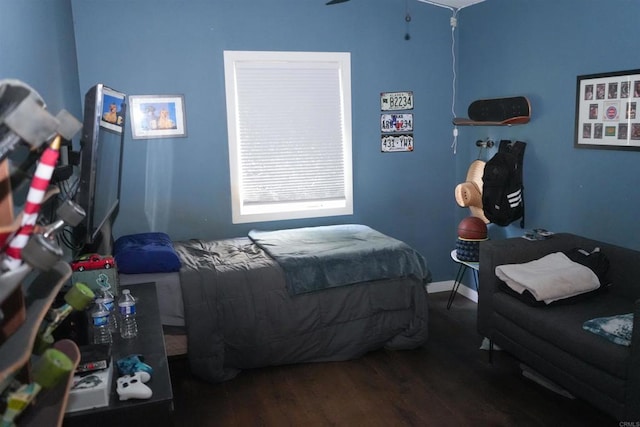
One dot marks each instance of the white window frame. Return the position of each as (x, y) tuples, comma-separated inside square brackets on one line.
[(243, 212)]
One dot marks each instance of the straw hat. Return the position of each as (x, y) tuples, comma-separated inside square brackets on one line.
[(469, 193)]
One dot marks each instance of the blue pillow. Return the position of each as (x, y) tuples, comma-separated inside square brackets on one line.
[(145, 253)]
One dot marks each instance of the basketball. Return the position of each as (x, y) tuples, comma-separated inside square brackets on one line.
[(472, 228)]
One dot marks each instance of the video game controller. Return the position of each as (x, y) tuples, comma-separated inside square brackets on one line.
[(133, 387), (133, 363)]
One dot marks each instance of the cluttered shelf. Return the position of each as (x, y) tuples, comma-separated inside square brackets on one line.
[(25, 311), (35, 371)]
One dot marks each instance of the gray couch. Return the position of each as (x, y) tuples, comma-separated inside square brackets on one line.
[(551, 340)]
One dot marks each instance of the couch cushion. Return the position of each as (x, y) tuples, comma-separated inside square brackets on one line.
[(562, 326), (573, 372)]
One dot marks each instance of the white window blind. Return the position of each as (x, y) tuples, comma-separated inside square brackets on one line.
[(289, 124)]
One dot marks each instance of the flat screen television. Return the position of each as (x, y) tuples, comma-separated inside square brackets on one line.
[(100, 162)]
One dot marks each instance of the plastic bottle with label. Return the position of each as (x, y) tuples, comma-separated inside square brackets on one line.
[(127, 309), (100, 322), (110, 303)]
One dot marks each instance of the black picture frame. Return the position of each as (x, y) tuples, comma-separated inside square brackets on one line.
[(606, 111)]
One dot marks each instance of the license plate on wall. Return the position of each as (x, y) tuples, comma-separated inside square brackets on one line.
[(394, 143), (396, 123), (391, 101)]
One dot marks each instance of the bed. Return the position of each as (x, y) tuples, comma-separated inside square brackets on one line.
[(293, 296)]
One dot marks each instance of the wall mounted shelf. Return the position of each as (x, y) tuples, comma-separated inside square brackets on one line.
[(515, 110), (460, 121)]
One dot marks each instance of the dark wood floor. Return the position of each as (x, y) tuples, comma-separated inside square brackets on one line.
[(448, 382)]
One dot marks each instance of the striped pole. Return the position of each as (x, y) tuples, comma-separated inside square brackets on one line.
[(35, 196)]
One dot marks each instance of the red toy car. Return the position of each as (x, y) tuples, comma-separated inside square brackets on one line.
[(92, 262)]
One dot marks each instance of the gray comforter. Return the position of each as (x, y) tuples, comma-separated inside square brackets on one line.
[(239, 314)]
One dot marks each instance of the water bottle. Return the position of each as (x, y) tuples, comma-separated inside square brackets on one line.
[(109, 302), (100, 321), (127, 308)]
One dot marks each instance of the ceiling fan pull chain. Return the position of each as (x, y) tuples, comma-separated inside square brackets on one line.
[(407, 18)]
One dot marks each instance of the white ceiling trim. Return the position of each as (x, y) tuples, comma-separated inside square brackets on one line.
[(451, 4)]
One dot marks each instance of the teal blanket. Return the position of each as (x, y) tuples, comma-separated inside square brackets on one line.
[(316, 258)]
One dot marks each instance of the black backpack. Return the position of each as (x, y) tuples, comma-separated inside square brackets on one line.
[(502, 189)]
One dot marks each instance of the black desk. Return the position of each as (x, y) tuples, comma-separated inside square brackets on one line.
[(149, 343)]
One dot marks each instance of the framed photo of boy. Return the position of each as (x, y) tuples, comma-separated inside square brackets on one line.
[(157, 116), (606, 111)]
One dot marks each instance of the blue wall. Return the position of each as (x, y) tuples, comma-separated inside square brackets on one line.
[(538, 48), (181, 185), (38, 47)]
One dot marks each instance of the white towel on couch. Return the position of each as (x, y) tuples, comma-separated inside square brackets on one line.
[(549, 278)]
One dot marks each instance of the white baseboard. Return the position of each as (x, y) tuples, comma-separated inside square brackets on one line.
[(444, 286), (447, 285)]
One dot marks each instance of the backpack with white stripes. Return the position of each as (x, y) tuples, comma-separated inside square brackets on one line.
[(502, 190)]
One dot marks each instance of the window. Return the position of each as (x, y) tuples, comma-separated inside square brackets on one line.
[(289, 125)]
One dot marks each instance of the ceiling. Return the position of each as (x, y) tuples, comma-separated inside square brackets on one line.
[(455, 4)]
